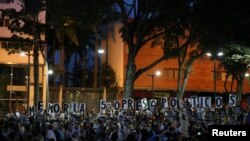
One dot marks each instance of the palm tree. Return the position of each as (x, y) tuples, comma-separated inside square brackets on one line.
[(63, 32)]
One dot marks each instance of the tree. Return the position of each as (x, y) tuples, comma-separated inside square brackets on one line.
[(199, 26), (26, 21), (236, 61), (182, 40), (176, 25), (64, 26), (139, 19), (85, 19)]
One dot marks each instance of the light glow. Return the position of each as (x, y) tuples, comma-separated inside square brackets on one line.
[(50, 72), (22, 53), (209, 54), (220, 53), (157, 73), (100, 51), (247, 75)]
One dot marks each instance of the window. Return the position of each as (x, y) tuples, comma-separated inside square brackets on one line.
[(1, 18), (4, 21), (5, 1), (171, 73), (224, 75), (220, 75), (3, 44)]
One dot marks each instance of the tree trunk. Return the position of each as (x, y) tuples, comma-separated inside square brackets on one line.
[(239, 90), (185, 80), (36, 71), (130, 78), (96, 59), (232, 83), (178, 91), (75, 75), (225, 83), (84, 79)]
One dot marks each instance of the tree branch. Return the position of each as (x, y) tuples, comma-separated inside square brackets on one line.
[(152, 37), (142, 70)]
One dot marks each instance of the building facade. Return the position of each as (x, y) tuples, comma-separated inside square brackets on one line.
[(17, 81), (201, 82)]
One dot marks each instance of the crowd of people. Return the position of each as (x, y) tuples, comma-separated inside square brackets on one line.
[(123, 125)]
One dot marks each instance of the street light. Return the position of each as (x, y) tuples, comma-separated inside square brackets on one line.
[(100, 52), (219, 54), (157, 73), (50, 72), (247, 75)]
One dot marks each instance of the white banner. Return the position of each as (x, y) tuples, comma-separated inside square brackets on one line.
[(218, 102), (153, 104), (102, 105), (144, 103), (164, 102), (173, 102), (232, 100)]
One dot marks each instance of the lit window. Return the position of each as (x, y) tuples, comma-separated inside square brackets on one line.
[(6, 21)]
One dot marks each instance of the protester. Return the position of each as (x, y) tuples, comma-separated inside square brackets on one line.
[(190, 123)]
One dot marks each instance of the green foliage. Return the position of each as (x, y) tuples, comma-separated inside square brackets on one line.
[(237, 58), (24, 22), (17, 44)]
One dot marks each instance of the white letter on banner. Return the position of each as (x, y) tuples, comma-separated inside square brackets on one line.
[(232, 100), (74, 106), (173, 102), (124, 104), (207, 102), (218, 102), (39, 105), (130, 103), (144, 103), (56, 108), (81, 108), (194, 101), (108, 106), (32, 110), (102, 104), (138, 105), (116, 105), (164, 102), (153, 104), (50, 108), (66, 108)]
